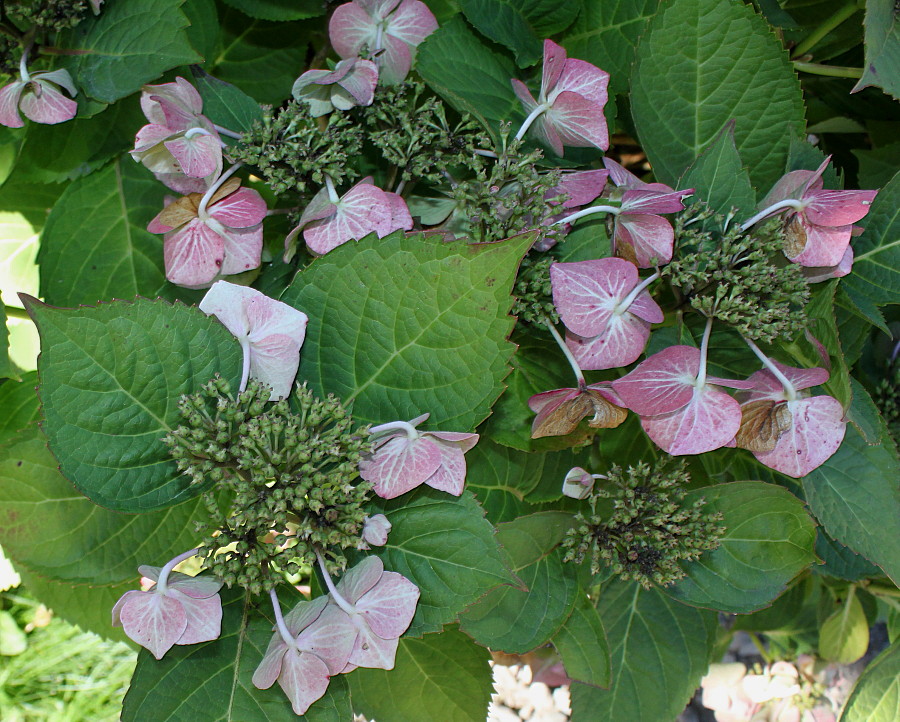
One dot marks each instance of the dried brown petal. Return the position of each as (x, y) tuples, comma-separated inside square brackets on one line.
[(762, 424), (794, 237), (565, 418)]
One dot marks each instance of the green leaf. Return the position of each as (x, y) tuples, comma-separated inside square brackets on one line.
[(127, 45), (876, 696), (782, 615), (876, 267), (204, 30), (440, 677), (96, 245), (856, 497), (582, 645), (882, 41), (261, 58), (606, 34), (495, 621), (445, 546), (660, 650), (769, 540), (65, 536), (692, 77), (225, 104), (280, 10), (404, 325), (864, 414), (19, 403), (210, 681), (719, 178), (111, 377), (469, 75), (877, 166), (844, 636), (842, 562)]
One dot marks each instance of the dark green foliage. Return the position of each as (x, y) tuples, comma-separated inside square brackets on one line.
[(649, 528), (50, 15), (291, 476)]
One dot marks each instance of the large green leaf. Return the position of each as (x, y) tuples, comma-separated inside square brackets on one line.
[(701, 64), (660, 650), (127, 45), (882, 65), (876, 268), (111, 378), (842, 562), (441, 677), (844, 635), (769, 539), (20, 405), (96, 245), (856, 497), (496, 621), (225, 104), (61, 534), (469, 75), (582, 644), (279, 9), (719, 178), (210, 682), (876, 696), (606, 34), (204, 30), (446, 547), (406, 325)]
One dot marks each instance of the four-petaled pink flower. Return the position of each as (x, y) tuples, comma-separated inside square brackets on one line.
[(380, 606), (388, 30), (220, 239), (270, 332), (405, 458), (38, 96), (819, 223), (351, 83), (569, 108), (330, 221), (812, 428), (681, 408), (318, 647), (640, 234), (178, 609), (606, 310), (180, 146)]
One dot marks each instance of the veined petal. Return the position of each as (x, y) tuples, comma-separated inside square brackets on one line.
[(400, 215), (663, 383), (350, 28), (270, 666), (460, 439), (825, 245), (242, 209), (400, 465), (645, 240), (204, 617), (837, 208), (586, 293), (580, 187), (60, 77), (181, 92), (388, 607), (50, 107), (193, 254), (305, 613), (709, 421), (579, 76), (274, 361), (579, 122), (9, 104), (360, 82), (624, 178), (330, 637), (450, 475), (395, 61), (554, 64), (790, 185), (243, 248), (304, 679), (411, 22), (197, 156), (523, 94), (373, 651), (649, 201), (816, 432), (362, 210), (360, 579), (621, 342), (153, 620)]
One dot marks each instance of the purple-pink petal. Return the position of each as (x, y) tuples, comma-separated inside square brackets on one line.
[(825, 245), (197, 156), (361, 210), (624, 178), (554, 64), (621, 342), (709, 421), (411, 22), (586, 293), (244, 208), (330, 637), (579, 76), (9, 104), (580, 187), (651, 239), (837, 208), (662, 384), (578, 121), (650, 201), (304, 679), (193, 254), (450, 476), (817, 430), (349, 29), (388, 608), (43, 103)]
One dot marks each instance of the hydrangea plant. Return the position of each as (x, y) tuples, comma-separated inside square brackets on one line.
[(315, 280)]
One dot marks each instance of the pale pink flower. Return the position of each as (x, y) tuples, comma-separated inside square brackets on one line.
[(389, 30), (177, 609), (330, 221), (569, 108), (351, 83), (375, 531), (319, 647), (607, 310), (270, 333), (202, 245), (38, 96), (578, 483), (405, 458), (818, 222), (380, 606), (559, 411)]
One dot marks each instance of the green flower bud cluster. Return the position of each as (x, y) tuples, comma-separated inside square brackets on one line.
[(292, 152), (413, 134), (533, 291), (645, 529), (289, 471), (741, 279), (53, 15), (507, 197)]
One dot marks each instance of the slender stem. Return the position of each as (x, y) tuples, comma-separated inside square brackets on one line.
[(379, 38), (201, 208), (228, 133), (829, 24), (626, 302), (410, 430), (486, 153), (191, 132), (757, 642), (790, 392), (170, 565), (336, 595), (587, 212), (579, 374), (832, 71), (599, 476), (332, 193), (279, 621), (772, 210), (533, 116), (704, 351), (23, 65), (894, 354), (400, 186), (13, 312), (245, 372)]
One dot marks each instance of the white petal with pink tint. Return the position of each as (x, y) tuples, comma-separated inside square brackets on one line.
[(154, 621), (450, 476), (661, 384), (816, 432), (349, 29), (330, 637), (360, 579), (304, 679), (709, 421), (400, 465), (197, 156), (9, 104), (49, 107), (620, 343), (586, 293), (204, 617), (193, 255), (411, 22), (390, 605), (361, 210)]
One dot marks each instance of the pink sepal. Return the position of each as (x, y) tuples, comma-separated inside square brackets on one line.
[(709, 421), (663, 383), (816, 432), (650, 238)]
